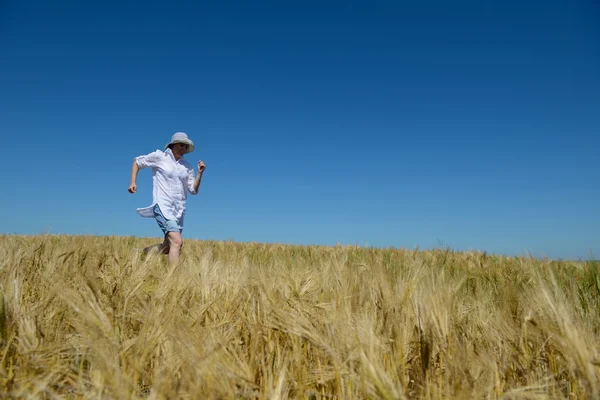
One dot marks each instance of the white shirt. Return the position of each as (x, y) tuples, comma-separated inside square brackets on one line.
[(170, 179)]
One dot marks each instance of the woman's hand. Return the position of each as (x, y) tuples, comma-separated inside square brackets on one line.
[(132, 188), (201, 166)]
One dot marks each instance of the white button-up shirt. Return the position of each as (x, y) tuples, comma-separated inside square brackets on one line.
[(171, 179)]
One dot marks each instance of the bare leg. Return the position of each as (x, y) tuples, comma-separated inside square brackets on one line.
[(175, 243), (162, 248)]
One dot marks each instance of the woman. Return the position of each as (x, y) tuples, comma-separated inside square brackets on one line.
[(172, 178)]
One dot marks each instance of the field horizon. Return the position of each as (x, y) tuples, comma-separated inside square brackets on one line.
[(87, 316), (441, 247)]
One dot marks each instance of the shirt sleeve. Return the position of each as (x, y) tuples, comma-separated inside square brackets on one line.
[(149, 160), (190, 179)]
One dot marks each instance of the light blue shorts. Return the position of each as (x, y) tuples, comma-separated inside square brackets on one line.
[(166, 225)]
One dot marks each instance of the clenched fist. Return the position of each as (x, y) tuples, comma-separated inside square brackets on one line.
[(201, 166)]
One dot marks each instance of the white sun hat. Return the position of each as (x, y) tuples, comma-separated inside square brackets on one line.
[(180, 137)]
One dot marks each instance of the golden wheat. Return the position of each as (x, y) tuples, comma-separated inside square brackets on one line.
[(90, 317)]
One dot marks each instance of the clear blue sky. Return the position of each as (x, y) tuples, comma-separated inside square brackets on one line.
[(468, 124)]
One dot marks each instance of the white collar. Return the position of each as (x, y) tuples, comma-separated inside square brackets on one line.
[(170, 152)]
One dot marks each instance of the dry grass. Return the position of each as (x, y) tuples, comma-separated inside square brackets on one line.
[(86, 317)]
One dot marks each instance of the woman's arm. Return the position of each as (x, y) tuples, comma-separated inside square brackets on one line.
[(134, 171), (141, 162), (196, 184)]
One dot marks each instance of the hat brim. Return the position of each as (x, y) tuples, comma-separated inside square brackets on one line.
[(188, 142)]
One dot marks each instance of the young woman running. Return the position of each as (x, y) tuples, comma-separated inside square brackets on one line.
[(172, 178)]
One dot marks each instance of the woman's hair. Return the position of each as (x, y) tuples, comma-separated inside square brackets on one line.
[(171, 146)]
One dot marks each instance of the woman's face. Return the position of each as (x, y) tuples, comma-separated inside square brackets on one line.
[(179, 149)]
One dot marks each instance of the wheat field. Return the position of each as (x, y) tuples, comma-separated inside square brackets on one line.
[(91, 318)]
